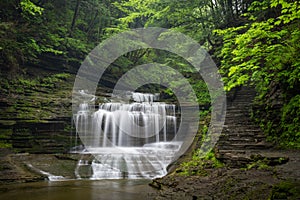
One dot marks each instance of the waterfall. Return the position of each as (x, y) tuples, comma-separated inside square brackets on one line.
[(129, 140)]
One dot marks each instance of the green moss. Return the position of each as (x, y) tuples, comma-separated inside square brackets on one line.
[(260, 164), (5, 133), (34, 121), (5, 145), (285, 190), (10, 109), (280, 124), (68, 128), (36, 99), (62, 76), (198, 165), (7, 122)]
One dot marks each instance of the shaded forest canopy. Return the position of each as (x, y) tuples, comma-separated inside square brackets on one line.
[(253, 43)]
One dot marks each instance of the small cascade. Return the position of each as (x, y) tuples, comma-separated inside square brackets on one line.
[(50, 176), (142, 97), (128, 140)]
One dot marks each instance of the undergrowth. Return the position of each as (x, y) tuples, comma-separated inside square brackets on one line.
[(199, 165)]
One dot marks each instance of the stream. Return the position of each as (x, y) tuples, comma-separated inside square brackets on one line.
[(78, 190), (131, 144)]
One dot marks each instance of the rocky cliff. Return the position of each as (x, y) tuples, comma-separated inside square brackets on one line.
[(36, 113)]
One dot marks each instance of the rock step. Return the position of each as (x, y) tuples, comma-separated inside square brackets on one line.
[(246, 138), (244, 146), (240, 135), (239, 130), (243, 127), (239, 121), (242, 139), (240, 112), (235, 115), (237, 118), (244, 114), (240, 158)]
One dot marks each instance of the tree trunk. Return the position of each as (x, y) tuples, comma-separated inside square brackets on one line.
[(92, 23), (75, 14)]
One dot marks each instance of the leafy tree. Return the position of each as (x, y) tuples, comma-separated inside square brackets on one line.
[(265, 53), (257, 42), (195, 18), (16, 48), (61, 29)]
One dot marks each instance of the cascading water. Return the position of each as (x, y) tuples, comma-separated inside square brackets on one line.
[(129, 140)]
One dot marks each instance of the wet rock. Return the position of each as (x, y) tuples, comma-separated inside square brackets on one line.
[(155, 184)]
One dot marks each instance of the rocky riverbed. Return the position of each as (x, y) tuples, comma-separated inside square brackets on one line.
[(25, 167), (258, 181)]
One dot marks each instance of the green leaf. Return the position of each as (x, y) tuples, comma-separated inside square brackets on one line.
[(30, 8)]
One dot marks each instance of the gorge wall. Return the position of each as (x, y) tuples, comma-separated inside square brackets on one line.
[(36, 112)]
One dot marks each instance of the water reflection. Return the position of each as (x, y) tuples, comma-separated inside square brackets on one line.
[(78, 190)]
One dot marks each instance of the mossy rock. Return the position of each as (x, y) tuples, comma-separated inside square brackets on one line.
[(286, 190), (5, 133), (4, 144), (7, 122)]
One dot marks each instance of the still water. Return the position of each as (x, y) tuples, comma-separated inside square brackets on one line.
[(78, 190)]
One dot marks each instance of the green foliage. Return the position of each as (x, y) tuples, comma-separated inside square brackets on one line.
[(260, 45), (259, 164), (194, 18), (20, 84), (264, 50), (285, 190), (5, 145), (30, 8), (290, 121), (31, 28), (265, 163), (198, 165), (30, 98), (5, 134), (22, 39), (265, 53)]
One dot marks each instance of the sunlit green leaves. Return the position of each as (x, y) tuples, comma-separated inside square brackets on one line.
[(265, 54), (30, 8)]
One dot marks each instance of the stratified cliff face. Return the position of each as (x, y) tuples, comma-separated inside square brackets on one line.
[(36, 113)]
